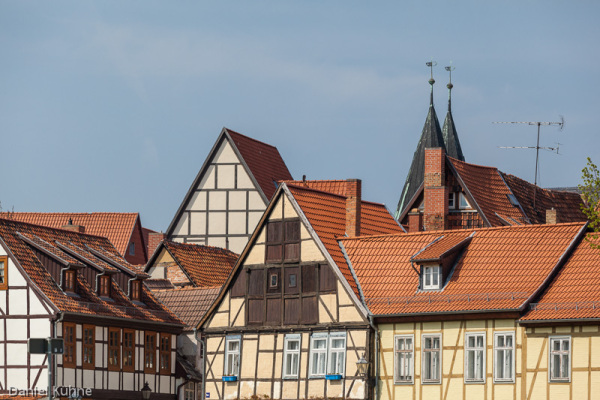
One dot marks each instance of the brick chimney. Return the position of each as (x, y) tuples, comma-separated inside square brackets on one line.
[(551, 216), (74, 228), (154, 239), (435, 190), (353, 203), (415, 220)]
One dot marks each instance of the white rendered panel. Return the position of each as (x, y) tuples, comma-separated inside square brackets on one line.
[(3, 295), (226, 176), (39, 327), (18, 301), (14, 275), (198, 201), (243, 179), (35, 304), (216, 223), (69, 376), (37, 359), (17, 378), (237, 223), (217, 200), (237, 244), (237, 200), (164, 384), (128, 381), (225, 154), (253, 219), (198, 223), (182, 225), (217, 241), (16, 329), (208, 180), (113, 380), (88, 378), (255, 202)]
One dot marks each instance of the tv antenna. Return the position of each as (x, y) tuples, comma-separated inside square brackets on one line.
[(537, 147)]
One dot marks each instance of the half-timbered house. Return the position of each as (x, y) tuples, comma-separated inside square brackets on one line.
[(289, 323), (63, 284), (230, 193)]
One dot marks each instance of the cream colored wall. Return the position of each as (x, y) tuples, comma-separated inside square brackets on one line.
[(156, 271)]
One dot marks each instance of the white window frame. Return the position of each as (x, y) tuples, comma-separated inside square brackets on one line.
[(410, 364), (424, 351), (504, 349), (313, 352), (189, 389), (436, 270), (340, 352), (475, 349), (461, 197), (291, 353), (226, 370), (452, 201), (551, 354)]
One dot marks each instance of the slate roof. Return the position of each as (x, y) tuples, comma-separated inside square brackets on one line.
[(263, 160), (204, 265), (453, 148), (524, 256), (575, 292), (71, 247), (326, 213), (117, 227), (190, 304)]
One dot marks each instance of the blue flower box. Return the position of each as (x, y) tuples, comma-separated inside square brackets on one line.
[(229, 378), (333, 377)]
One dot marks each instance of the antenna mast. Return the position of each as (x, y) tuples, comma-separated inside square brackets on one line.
[(537, 148)]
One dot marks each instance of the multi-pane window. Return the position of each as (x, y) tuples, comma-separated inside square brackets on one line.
[(165, 353), (432, 277), (283, 241), (475, 357), (504, 356), (463, 203), (69, 350), (114, 349), (189, 391), (403, 359), (451, 200), (232, 355), (431, 358), (104, 285), (337, 353), (135, 290), (88, 346), (150, 352), (3, 268), (318, 354), (291, 356), (128, 350), (69, 281), (560, 359)]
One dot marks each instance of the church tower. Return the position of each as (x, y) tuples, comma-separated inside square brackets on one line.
[(451, 141)]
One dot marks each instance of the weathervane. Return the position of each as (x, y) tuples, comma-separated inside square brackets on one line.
[(537, 147), (431, 64), (450, 68)]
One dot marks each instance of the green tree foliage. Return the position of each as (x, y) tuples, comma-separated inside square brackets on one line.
[(590, 190)]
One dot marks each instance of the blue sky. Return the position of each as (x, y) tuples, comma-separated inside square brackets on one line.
[(113, 106)]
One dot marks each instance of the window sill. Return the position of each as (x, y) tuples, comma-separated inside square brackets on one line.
[(402, 383)]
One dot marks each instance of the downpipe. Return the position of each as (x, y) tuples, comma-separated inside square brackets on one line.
[(376, 377)]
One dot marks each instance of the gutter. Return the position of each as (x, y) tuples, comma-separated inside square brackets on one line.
[(553, 321), (447, 313), (376, 374)]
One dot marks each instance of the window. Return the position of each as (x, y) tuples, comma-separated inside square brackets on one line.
[(232, 355), (291, 356), (560, 359), (431, 360), (293, 282), (327, 354), (3, 273), (69, 281), (475, 357), (135, 290), (165, 353), (69, 350), (88, 346), (132, 249), (432, 277), (273, 280), (451, 200), (504, 360), (189, 391), (337, 353), (128, 350), (114, 349), (150, 352), (283, 241), (463, 202), (104, 285), (404, 359), (318, 354)]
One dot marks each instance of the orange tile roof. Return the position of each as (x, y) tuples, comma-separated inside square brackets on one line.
[(335, 186), (117, 227), (441, 246), (190, 304), (70, 246), (205, 265), (575, 292), (263, 160), (326, 213), (523, 256)]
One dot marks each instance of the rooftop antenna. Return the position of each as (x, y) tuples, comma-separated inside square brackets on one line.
[(537, 147), (431, 64)]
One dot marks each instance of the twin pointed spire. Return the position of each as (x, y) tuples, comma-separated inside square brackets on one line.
[(431, 136)]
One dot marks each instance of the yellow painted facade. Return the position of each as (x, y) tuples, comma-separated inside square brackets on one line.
[(531, 363)]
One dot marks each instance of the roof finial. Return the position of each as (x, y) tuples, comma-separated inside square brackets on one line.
[(431, 64), (450, 68)]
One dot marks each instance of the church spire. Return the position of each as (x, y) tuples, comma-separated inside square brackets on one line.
[(431, 136), (451, 141)]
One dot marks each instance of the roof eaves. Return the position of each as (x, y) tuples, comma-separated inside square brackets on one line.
[(360, 291), (454, 312), (501, 174), (47, 252), (557, 320), (111, 262)]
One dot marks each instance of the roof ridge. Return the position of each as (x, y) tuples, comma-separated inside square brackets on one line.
[(197, 245), (471, 164), (315, 190), (70, 213), (230, 131), (53, 229)]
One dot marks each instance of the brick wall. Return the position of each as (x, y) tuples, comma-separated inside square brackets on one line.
[(154, 239), (435, 190), (415, 220), (353, 206)]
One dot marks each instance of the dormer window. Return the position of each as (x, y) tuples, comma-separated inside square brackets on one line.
[(451, 200), (69, 281), (432, 277), (135, 292), (463, 203), (104, 286)]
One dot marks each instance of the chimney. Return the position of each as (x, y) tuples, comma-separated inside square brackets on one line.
[(154, 239), (353, 202), (551, 216), (415, 220), (435, 189), (73, 228)]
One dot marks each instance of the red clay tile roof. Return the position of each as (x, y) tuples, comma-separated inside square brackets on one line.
[(441, 246), (575, 292), (567, 204), (117, 227), (523, 256), (335, 186), (326, 213), (69, 246), (190, 304), (206, 266), (263, 160), (158, 284)]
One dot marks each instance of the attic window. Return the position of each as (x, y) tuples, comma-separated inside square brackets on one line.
[(431, 277), (104, 286), (134, 294), (451, 200), (463, 203), (513, 200), (69, 281), (132, 249)]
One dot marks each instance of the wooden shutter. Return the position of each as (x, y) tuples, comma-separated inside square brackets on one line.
[(274, 311), (256, 311), (310, 311), (309, 278), (239, 287), (327, 281), (291, 311), (256, 285), (274, 241), (292, 240)]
